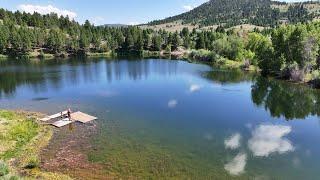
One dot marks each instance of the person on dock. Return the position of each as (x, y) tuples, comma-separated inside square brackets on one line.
[(69, 114)]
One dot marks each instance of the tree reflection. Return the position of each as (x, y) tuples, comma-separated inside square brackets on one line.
[(10, 80), (41, 76), (284, 99), (232, 76)]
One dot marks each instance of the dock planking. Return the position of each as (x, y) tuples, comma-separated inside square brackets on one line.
[(82, 117), (76, 116), (62, 123), (48, 118)]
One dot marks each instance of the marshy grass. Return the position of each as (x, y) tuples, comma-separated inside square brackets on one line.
[(3, 56), (23, 138), (102, 54)]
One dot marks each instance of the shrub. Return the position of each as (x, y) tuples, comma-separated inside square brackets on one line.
[(41, 55), (203, 55), (32, 162), (293, 72), (315, 74), (4, 169)]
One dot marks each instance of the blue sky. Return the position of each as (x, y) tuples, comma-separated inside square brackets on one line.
[(107, 11)]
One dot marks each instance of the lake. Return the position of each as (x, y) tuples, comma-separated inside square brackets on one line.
[(165, 119)]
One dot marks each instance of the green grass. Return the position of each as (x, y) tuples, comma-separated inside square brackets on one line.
[(103, 54), (3, 56), (19, 131), (150, 53), (21, 139), (4, 169)]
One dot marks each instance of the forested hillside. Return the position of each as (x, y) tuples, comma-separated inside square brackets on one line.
[(290, 52), (257, 12)]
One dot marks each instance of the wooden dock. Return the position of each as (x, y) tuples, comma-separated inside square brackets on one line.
[(63, 121), (48, 118), (82, 117)]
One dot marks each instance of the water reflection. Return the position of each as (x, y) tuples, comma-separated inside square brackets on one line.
[(229, 76), (40, 76), (237, 165), (233, 142), (172, 103), (268, 139), (286, 99), (194, 88), (280, 98), (10, 80), (265, 140), (168, 108)]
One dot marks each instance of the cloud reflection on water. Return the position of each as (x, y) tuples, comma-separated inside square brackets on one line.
[(268, 139), (172, 103), (194, 88), (237, 165), (233, 142), (265, 140)]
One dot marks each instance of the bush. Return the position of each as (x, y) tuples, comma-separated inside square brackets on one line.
[(203, 55), (4, 169), (32, 162), (315, 74), (293, 72)]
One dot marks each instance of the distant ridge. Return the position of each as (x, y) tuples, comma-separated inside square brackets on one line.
[(115, 25), (257, 12)]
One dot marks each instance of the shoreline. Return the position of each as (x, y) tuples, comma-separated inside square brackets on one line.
[(48, 56), (24, 137), (192, 56)]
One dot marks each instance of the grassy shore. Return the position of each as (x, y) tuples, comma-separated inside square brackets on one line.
[(3, 56), (21, 139), (103, 54)]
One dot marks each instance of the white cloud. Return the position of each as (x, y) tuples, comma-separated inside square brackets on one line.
[(188, 7), (172, 103), (267, 139), (194, 88), (237, 165), (233, 142), (30, 8)]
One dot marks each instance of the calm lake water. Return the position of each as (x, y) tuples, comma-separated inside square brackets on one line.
[(174, 119)]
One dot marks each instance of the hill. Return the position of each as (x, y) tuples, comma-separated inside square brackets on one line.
[(115, 25), (256, 12)]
